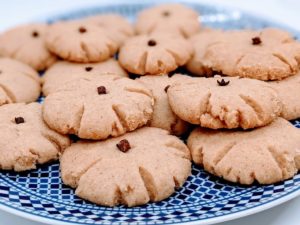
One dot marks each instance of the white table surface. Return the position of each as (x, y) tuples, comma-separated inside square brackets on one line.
[(13, 12)]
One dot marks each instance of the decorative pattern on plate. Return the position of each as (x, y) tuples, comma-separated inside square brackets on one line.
[(204, 198)]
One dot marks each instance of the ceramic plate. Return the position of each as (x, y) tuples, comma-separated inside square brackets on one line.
[(204, 199)]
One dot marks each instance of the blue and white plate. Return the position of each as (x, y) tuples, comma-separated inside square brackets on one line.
[(204, 199)]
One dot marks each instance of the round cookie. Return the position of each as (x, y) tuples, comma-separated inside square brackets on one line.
[(267, 155), (63, 71), (171, 18), (269, 54), (288, 91), (97, 107), (26, 43), (154, 54), (18, 82), (80, 41), (225, 102), (163, 116), (138, 167), (25, 139), (115, 24)]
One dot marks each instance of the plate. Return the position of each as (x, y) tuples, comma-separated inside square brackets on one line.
[(204, 199)]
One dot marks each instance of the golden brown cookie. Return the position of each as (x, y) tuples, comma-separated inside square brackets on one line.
[(267, 155), (26, 43), (171, 18), (63, 71), (163, 116), (269, 54), (229, 102), (80, 41), (154, 54), (138, 167), (18, 82), (25, 139), (97, 107)]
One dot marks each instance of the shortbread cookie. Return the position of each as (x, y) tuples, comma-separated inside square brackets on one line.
[(97, 107), (18, 82), (80, 41), (225, 102), (138, 167), (269, 54), (26, 43), (63, 71), (25, 139), (288, 91), (163, 116), (154, 54), (115, 24), (172, 17), (268, 154)]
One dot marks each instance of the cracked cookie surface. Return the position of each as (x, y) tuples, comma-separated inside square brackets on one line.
[(63, 71), (225, 102), (269, 54), (18, 82), (154, 54), (267, 155), (80, 41), (171, 18), (163, 116), (97, 107), (25, 139), (154, 164), (26, 43)]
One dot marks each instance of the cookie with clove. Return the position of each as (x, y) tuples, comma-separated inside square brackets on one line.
[(25, 139), (267, 154), (289, 94), (168, 18), (154, 54), (18, 82), (163, 116), (96, 107), (228, 102), (116, 25), (26, 43), (63, 71), (142, 166), (80, 41), (268, 54)]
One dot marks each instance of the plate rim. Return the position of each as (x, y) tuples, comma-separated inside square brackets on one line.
[(223, 218)]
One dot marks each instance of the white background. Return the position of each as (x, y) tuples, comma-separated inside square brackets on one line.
[(13, 12)]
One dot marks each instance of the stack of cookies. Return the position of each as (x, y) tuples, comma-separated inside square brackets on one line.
[(115, 109)]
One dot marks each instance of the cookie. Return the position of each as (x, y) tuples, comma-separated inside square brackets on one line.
[(163, 116), (267, 155), (26, 43), (115, 24), (138, 167), (18, 82), (80, 41), (269, 54), (288, 91), (25, 139), (97, 107), (200, 42), (63, 71), (225, 102), (154, 54), (171, 18)]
